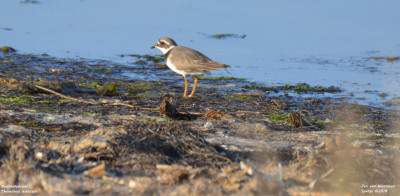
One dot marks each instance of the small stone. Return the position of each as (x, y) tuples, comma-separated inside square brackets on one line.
[(132, 184), (245, 167), (80, 160), (209, 125), (39, 156), (168, 108), (97, 171)]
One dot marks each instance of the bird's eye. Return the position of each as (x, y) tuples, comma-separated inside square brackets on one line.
[(161, 42)]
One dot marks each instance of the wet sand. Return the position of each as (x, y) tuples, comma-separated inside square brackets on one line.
[(233, 137)]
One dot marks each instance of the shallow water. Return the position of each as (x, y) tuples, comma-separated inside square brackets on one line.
[(287, 42)]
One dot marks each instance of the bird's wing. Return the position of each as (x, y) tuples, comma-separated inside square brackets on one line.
[(194, 60)]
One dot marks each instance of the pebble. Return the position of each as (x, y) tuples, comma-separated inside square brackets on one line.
[(209, 125)]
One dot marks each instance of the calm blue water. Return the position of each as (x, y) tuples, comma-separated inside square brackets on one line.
[(317, 42)]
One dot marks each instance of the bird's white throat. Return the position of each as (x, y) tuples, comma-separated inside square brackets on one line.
[(165, 50)]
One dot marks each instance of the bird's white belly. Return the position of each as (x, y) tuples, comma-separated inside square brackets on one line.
[(181, 72), (173, 68)]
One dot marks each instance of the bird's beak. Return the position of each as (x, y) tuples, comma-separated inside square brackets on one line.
[(155, 46)]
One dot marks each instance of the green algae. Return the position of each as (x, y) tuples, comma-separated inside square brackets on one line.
[(245, 98), (145, 85), (100, 70), (320, 123), (155, 59), (239, 97), (61, 101), (16, 99), (22, 99), (299, 88), (108, 89), (41, 105), (94, 84), (383, 95), (278, 117), (376, 124), (142, 88), (146, 57), (31, 123)]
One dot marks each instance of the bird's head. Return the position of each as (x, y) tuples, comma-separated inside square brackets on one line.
[(165, 44)]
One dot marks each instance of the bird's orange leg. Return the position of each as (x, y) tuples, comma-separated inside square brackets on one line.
[(194, 87), (186, 86)]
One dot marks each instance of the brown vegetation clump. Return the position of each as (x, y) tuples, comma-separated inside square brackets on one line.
[(213, 115)]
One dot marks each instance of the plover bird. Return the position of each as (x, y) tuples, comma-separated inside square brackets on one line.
[(186, 61)]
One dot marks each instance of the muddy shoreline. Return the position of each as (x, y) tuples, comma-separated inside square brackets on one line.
[(233, 137)]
